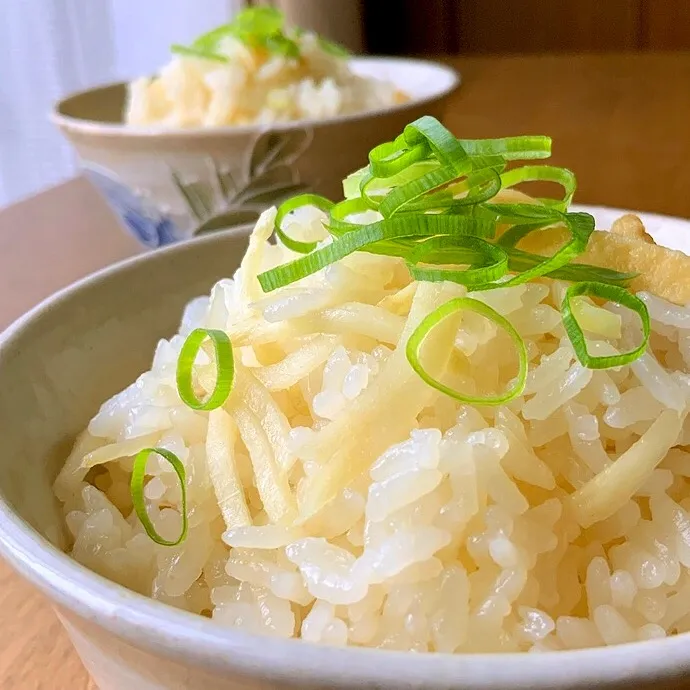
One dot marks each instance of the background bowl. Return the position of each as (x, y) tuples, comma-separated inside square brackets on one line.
[(169, 185), (57, 364)]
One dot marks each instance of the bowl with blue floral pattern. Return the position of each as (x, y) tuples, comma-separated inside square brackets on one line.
[(169, 185)]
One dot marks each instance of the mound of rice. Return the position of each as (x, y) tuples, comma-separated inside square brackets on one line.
[(338, 498), (255, 87)]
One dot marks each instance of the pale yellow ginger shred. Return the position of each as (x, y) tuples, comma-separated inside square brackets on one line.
[(338, 498), (123, 449), (271, 481), (383, 414), (355, 317), (220, 456), (253, 394), (613, 487), (290, 370)]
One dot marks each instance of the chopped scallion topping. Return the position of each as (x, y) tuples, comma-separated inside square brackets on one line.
[(544, 173), (366, 236), (511, 148), (334, 48), (434, 203), (432, 320), (197, 52), (291, 205), (612, 293), (139, 500), (487, 262), (581, 226), (225, 368), (261, 27)]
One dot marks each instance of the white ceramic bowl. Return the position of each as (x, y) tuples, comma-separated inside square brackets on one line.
[(57, 364), (169, 185)]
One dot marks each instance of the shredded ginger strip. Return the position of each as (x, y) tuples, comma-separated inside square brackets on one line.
[(384, 413)]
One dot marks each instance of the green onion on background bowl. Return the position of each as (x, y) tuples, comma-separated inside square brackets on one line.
[(247, 116)]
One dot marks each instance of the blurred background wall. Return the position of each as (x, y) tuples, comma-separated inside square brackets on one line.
[(49, 48), (525, 26), (470, 27)]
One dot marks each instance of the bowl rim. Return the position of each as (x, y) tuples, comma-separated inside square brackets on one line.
[(192, 639), (120, 129)]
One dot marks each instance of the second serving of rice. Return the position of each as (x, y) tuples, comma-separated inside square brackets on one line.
[(255, 87), (367, 508)]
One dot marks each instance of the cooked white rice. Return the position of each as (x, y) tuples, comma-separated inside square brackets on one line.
[(255, 87), (338, 498)]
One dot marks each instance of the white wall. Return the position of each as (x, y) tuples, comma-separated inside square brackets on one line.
[(49, 48), (144, 29)]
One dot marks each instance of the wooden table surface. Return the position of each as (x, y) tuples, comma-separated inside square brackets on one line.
[(620, 122)]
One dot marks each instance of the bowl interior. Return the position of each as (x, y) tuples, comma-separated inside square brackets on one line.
[(105, 104), (62, 360), (421, 79)]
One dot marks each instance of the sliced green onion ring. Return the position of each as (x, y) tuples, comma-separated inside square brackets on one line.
[(404, 195), (488, 262), (478, 186), (196, 52), (260, 27), (211, 39), (374, 189), (512, 236), (139, 500), (338, 214), (339, 225), (259, 21), (388, 159), (481, 185), (366, 235), (445, 146), (320, 202), (225, 368), (544, 173), (333, 48), (580, 226), (509, 148), (496, 163), (352, 181), (281, 45), (522, 213), (416, 341), (519, 261), (612, 293)]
